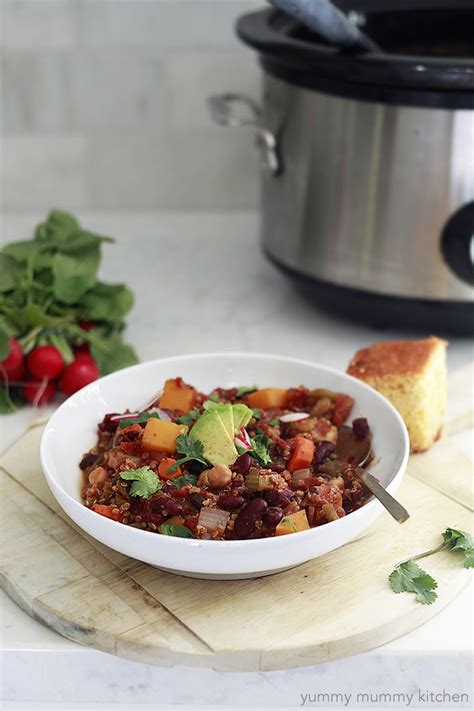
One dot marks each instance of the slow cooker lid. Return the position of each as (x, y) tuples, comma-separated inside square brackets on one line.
[(429, 46)]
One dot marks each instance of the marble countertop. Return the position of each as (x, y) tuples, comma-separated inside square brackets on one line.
[(201, 280)]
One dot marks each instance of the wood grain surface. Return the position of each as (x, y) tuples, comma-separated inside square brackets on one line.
[(334, 606)]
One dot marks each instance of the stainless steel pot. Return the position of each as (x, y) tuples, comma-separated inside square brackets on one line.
[(368, 175)]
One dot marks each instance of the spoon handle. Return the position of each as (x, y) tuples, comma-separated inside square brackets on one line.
[(398, 512)]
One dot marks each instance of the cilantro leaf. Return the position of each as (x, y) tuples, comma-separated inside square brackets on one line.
[(256, 413), (174, 529), (180, 481), (142, 417), (461, 541), (245, 390), (189, 418), (409, 577), (260, 445), (145, 482), (274, 422), (193, 450)]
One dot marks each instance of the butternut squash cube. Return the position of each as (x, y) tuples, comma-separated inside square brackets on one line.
[(160, 436), (293, 523), (177, 396), (267, 397)]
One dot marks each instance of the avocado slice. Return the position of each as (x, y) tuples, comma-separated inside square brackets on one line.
[(242, 416), (219, 447), (225, 413)]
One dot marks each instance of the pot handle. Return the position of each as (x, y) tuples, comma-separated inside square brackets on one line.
[(223, 109)]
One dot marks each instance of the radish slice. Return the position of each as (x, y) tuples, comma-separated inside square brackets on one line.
[(242, 440), (294, 416)]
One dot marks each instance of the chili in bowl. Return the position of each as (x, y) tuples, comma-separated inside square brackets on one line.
[(217, 477)]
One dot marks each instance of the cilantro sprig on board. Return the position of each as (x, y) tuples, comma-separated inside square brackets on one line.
[(409, 577)]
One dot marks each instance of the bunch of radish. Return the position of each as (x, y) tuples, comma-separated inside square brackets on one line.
[(40, 373)]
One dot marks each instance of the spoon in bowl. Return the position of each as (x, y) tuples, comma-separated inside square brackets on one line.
[(359, 452)]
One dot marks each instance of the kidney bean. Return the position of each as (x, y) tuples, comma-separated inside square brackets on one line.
[(230, 502), (361, 428), (196, 500), (277, 468), (247, 518), (276, 498), (323, 450), (164, 503), (242, 463), (87, 460), (273, 516)]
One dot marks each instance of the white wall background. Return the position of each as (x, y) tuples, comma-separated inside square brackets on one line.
[(103, 105)]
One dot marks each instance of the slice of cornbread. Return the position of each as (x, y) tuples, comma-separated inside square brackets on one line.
[(412, 375)]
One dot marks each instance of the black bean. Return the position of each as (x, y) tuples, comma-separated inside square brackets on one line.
[(273, 516), (196, 500), (323, 450), (247, 518), (361, 428), (87, 460), (107, 424), (277, 498)]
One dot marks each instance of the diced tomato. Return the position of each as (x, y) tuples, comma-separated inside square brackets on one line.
[(296, 397), (180, 493), (130, 439), (106, 510), (343, 405), (165, 466), (303, 454)]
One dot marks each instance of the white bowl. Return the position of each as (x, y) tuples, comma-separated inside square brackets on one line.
[(71, 431)]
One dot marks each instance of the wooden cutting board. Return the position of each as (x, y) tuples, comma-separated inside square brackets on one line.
[(331, 607)]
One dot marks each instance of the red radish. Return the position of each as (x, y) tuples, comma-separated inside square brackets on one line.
[(12, 365), (80, 373), (45, 362), (15, 375), (38, 392), (83, 355)]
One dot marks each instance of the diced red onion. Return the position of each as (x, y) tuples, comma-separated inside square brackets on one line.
[(151, 402), (213, 519), (294, 416), (162, 413), (300, 475), (129, 415)]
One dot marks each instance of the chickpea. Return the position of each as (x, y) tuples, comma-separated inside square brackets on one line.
[(219, 476), (203, 479), (97, 475), (322, 406)]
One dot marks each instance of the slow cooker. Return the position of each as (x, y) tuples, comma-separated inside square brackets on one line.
[(368, 160)]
